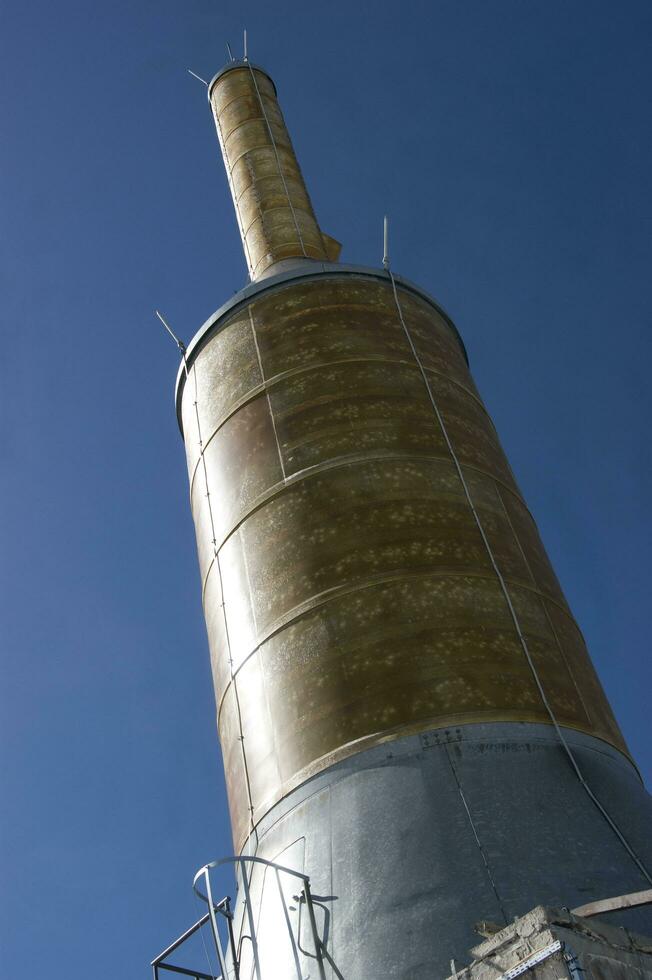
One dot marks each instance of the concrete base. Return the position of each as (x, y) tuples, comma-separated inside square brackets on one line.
[(408, 845), (551, 944)]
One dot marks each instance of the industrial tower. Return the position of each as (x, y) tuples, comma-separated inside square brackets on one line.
[(407, 712)]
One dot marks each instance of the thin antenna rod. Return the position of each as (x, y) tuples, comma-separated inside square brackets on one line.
[(385, 243), (180, 344), (198, 77), (228, 48), (245, 44)]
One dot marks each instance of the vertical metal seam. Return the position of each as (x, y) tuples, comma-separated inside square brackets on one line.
[(229, 177), (269, 401), (282, 377), (278, 163), (485, 860), (261, 665), (261, 662), (216, 559), (288, 925), (508, 600), (246, 569), (330, 867)]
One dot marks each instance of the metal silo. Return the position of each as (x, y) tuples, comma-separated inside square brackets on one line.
[(406, 708)]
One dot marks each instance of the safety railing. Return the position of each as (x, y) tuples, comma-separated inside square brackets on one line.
[(235, 955), (159, 963), (304, 898)]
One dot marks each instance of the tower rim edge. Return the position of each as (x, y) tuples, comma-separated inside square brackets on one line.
[(313, 271)]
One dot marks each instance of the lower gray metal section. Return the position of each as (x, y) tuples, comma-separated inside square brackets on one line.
[(411, 843)]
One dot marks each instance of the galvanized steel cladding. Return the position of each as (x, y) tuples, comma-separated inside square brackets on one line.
[(359, 598)]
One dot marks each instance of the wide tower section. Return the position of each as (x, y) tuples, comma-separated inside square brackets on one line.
[(407, 711)]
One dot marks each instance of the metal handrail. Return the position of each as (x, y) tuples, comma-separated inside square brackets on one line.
[(158, 963), (306, 896), (243, 860), (197, 974)]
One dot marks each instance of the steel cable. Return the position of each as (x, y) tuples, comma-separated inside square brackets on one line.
[(523, 642), (278, 161), (216, 562)]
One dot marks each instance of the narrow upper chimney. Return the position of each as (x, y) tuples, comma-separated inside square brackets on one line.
[(275, 216)]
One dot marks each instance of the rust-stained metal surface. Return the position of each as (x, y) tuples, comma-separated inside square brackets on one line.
[(348, 595), (274, 212)]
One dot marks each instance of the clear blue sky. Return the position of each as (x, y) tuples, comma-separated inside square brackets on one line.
[(510, 142)]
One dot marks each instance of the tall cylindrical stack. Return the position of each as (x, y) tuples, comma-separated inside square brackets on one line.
[(359, 602), (381, 613)]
